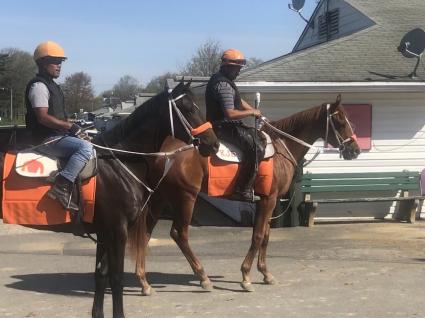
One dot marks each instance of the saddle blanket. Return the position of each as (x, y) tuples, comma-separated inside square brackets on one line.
[(25, 200), (221, 177)]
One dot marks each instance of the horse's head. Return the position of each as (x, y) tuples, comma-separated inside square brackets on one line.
[(339, 132), (185, 114)]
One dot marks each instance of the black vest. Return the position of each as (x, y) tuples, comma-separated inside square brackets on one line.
[(214, 110), (56, 107)]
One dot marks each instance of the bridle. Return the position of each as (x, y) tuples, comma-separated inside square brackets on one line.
[(169, 156), (192, 132), (341, 141), (329, 123)]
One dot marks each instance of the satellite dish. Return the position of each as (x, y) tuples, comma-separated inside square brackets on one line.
[(413, 45), (297, 5)]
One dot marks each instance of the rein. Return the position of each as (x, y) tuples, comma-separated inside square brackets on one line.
[(329, 122), (301, 142), (146, 154), (170, 155)]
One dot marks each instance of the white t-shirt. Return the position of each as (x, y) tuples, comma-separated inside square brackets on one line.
[(39, 95)]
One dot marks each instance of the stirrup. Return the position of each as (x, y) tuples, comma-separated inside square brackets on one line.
[(246, 196)]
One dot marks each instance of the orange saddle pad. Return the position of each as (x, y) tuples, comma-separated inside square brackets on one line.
[(25, 200), (221, 177)]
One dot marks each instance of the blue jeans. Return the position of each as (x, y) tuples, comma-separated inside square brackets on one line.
[(76, 151)]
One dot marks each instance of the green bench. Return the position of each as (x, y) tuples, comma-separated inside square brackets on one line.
[(356, 184)]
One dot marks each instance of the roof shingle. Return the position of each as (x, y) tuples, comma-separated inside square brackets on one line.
[(368, 55)]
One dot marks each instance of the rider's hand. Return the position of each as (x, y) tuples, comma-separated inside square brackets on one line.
[(75, 130), (78, 132), (256, 113)]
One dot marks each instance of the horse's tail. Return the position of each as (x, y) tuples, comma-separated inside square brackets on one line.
[(137, 237)]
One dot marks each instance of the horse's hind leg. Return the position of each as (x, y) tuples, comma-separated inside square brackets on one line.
[(101, 273), (180, 234), (261, 265), (146, 233)]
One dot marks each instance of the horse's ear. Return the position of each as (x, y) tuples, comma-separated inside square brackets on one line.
[(187, 86), (336, 103), (338, 99), (177, 90)]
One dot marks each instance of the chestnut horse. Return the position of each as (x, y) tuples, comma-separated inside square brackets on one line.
[(185, 179), (119, 194)]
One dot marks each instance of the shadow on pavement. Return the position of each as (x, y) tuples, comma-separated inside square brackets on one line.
[(82, 284)]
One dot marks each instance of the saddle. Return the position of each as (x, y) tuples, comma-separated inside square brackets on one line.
[(224, 166), (230, 153), (37, 165)]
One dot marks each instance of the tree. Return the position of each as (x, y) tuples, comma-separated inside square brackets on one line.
[(78, 92), (157, 83), (3, 59), (126, 88), (97, 102), (253, 62), (19, 68), (206, 60)]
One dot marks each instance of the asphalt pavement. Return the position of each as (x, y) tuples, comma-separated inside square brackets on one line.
[(364, 269)]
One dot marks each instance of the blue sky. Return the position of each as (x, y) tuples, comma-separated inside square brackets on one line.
[(109, 39)]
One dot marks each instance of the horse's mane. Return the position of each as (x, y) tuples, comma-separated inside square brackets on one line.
[(145, 112), (296, 121)]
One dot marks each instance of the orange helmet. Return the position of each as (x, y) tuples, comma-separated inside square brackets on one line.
[(49, 49), (233, 57)]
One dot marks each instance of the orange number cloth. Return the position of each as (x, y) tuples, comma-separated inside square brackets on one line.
[(25, 200), (221, 177)]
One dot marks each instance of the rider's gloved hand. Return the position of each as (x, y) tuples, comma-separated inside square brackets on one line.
[(78, 132), (75, 130)]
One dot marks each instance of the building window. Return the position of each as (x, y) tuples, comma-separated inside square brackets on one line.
[(328, 24)]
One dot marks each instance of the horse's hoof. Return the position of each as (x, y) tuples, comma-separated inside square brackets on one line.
[(148, 291), (247, 286), (270, 280), (207, 285)]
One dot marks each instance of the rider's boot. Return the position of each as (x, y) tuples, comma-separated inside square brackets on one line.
[(244, 190), (62, 191)]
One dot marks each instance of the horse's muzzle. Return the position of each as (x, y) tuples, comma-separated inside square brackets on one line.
[(350, 152)]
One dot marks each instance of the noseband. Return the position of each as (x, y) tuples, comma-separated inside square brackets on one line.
[(341, 141), (192, 132)]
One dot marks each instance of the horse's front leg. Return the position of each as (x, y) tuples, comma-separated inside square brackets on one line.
[(180, 234), (116, 252), (145, 236), (100, 277), (263, 212), (261, 265)]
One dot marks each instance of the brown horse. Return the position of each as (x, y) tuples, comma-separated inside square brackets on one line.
[(119, 194), (184, 181)]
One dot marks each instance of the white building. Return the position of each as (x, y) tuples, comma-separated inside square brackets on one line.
[(350, 47)]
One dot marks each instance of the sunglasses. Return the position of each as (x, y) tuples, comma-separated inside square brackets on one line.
[(54, 60), (241, 62)]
